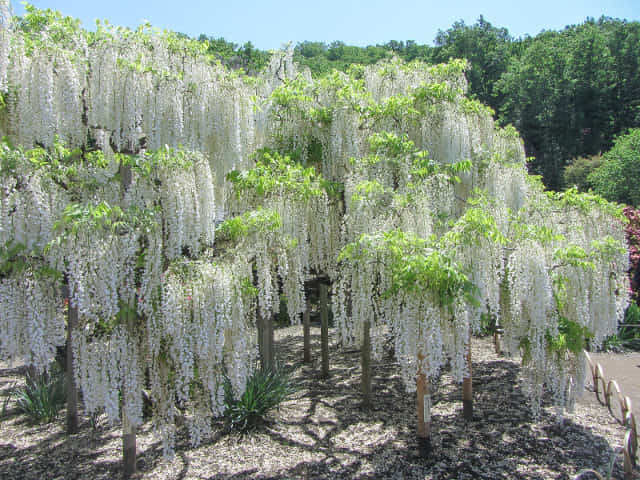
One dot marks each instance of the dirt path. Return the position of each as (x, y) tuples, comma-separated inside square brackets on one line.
[(624, 368)]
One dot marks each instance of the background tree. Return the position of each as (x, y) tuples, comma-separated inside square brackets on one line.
[(487, 48), (571, 92), (618, 179)]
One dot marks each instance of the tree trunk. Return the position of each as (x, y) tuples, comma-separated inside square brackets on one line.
[(365, 361), (324, 329), (72, 390), (424, 412), (306, 327), (467, 387)]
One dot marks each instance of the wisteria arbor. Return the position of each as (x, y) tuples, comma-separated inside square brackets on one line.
[(178, 201)]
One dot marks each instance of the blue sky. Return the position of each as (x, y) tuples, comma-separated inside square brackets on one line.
[(271, 24)]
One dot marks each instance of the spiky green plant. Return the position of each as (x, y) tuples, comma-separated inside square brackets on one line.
[(265, 390), (41, 398)]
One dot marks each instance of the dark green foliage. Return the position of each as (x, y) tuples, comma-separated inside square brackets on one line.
[(618, 179), (570, 92), (41, 398), (488, 324), (265, 390), (571, 337)]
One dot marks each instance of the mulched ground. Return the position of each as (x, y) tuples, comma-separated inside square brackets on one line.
[(323, 432)]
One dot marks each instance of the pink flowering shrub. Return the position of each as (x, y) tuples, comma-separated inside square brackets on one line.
[(632, 231)]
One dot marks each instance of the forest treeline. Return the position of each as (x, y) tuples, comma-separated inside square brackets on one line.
[(568, 92)]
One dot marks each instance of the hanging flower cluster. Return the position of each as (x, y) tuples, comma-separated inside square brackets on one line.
[(201, 336), (413, 288), (300, 198), (31, 304), (32, 322), (107, 366)]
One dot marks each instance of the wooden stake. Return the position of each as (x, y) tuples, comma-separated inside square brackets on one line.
[(324, 329), (365, 362), (306, 327), (467, 387), (424, 412)]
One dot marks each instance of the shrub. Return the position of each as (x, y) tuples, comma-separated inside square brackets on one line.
[(265, 390), (632, 317), (612, 344), (41, 398), (632, 233), (576, 173)]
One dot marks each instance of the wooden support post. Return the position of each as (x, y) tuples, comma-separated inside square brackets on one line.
[(128, 429), (306, 327), (365, 361), (424, 411), (467, 387), (271, 342), (72, 390), (128, 448), (265, 340), (324, 329), (260, 331)]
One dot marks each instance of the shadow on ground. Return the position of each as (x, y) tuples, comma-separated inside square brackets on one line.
[(323, 432)]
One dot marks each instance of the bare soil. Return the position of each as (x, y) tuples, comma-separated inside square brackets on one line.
[(624, 368), (323, 432)]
